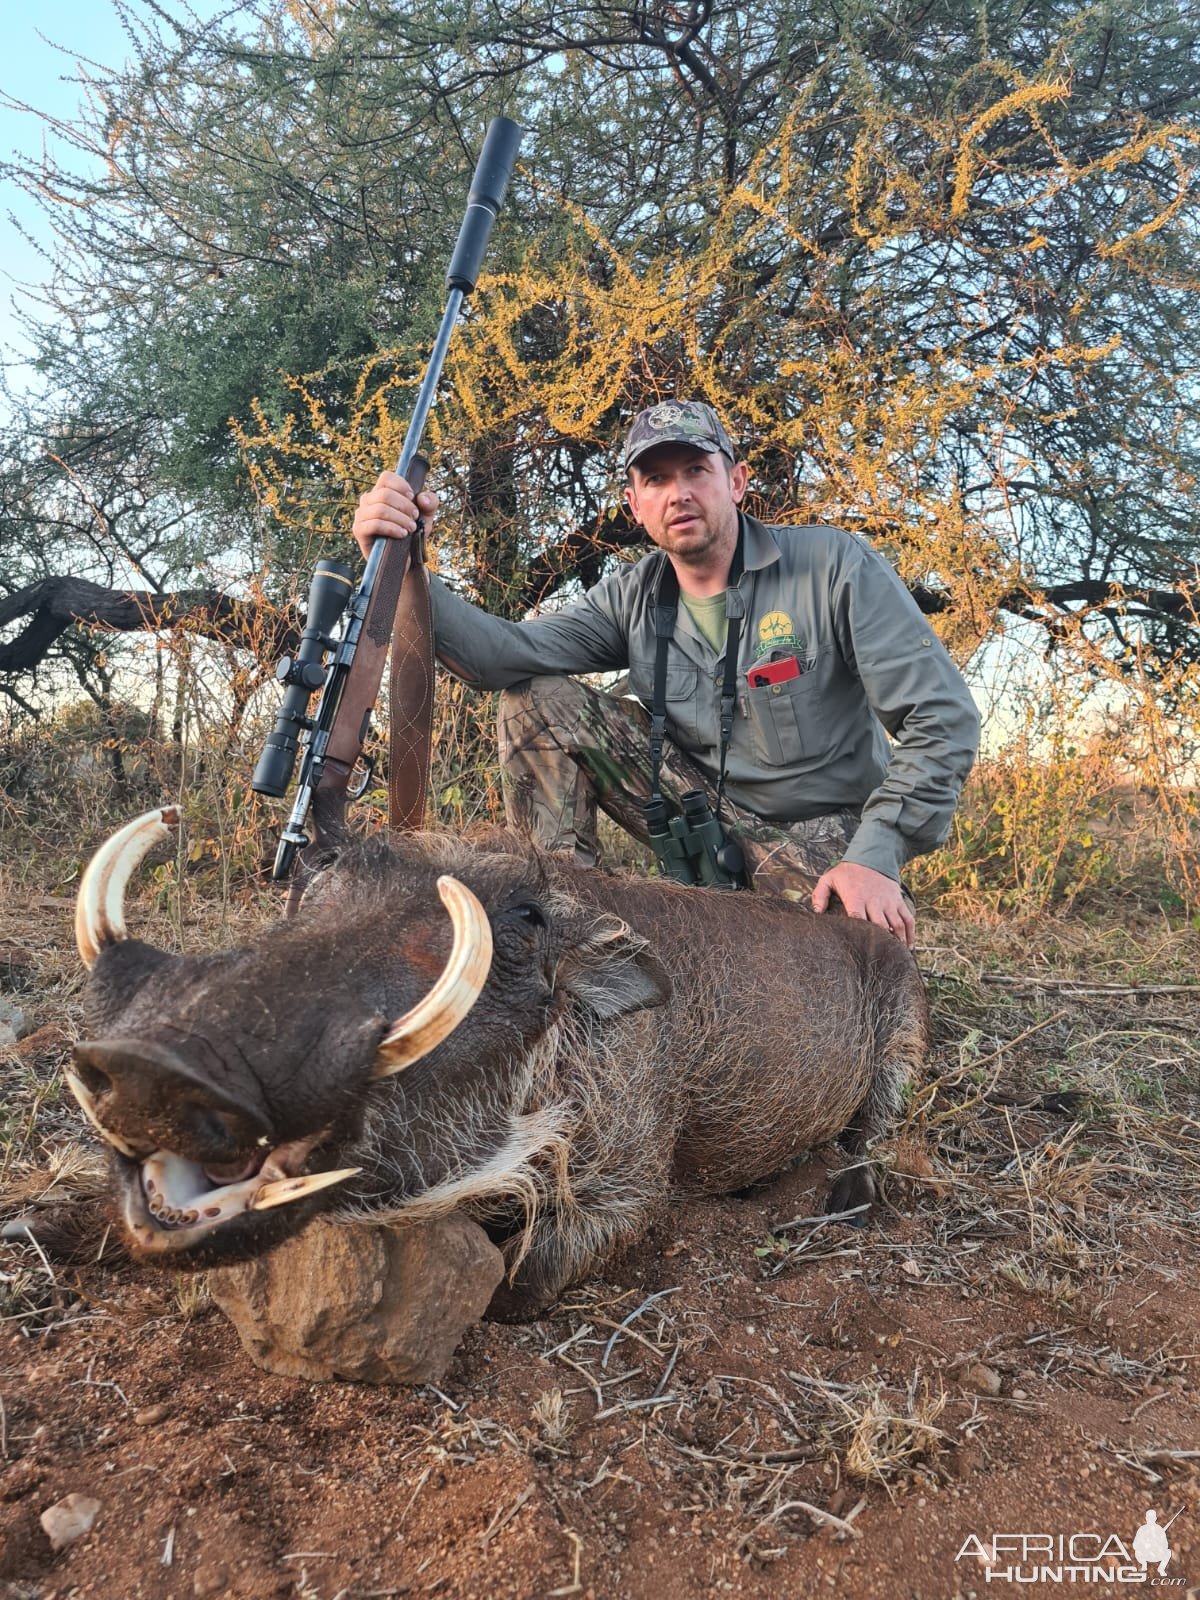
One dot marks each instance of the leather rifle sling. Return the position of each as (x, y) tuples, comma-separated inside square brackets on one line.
[(361, 689), (349, 731), (410, 733), (367, 672)]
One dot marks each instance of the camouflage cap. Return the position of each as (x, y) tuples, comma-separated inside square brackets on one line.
[(676, 422)]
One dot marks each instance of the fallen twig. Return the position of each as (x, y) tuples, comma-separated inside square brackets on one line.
[(820, 1222), (574, 1586), (659, 1294), (503, 1518), (1073, 986)]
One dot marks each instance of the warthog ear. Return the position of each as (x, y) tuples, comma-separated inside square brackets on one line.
[(610, 969)]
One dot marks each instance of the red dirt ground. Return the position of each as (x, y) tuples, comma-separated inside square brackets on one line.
[(702, 1450)]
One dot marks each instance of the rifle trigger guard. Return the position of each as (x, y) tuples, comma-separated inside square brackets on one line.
[(364, 783)]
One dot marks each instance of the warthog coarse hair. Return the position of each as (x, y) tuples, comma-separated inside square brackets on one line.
[(626, 1037)]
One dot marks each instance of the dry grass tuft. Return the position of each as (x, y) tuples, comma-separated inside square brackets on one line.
[(887, 1441)]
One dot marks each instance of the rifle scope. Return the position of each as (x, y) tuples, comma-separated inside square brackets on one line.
[(303, 674)]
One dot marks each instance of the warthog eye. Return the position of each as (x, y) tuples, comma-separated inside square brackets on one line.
[(529, 913)]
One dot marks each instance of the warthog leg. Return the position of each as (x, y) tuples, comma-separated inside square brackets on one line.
[(854, 1186)]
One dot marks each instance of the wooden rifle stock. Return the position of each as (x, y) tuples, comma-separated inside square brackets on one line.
[(397, 616)]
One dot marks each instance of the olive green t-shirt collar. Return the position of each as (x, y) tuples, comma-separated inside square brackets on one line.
[(709, 616)]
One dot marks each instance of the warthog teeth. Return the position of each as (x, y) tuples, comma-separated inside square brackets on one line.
[(88, 1106), (418, 1031), (285, 1190)]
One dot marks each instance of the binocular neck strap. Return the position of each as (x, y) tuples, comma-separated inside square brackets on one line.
[(666, 609)]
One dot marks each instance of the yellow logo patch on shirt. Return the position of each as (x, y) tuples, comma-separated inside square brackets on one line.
[(777, 631)]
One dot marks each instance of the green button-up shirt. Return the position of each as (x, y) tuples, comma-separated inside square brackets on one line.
[(813, 744)]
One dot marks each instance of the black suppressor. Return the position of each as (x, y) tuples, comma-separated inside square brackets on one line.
[(484, 199), (303, 674), (693, 848)]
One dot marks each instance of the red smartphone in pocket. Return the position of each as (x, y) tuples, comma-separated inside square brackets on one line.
[(765, 673)]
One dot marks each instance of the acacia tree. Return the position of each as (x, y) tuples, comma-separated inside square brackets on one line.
[(931, 266), (940, 296)]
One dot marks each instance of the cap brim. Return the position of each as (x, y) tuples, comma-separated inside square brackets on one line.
[(708, 446)]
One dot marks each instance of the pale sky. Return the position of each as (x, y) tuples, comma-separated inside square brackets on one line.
[(34, 72), (43, 46)]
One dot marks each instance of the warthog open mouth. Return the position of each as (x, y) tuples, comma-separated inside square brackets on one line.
[(169, 1201)]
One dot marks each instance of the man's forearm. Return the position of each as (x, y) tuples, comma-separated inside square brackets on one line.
[(491, 653)]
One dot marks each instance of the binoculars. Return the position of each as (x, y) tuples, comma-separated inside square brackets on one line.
[(692, 848)]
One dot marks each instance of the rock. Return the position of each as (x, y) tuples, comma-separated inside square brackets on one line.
[(12, 1022), (375, 1304), (67, 1519), (151, 1416), (983, 1380), (209, 1580)]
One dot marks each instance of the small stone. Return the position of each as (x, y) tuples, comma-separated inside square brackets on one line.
[(151, 1416), (981, 1379), (12, 1022), (372, 1304), (68, 1519), (208, 1580), (1020, 1394)]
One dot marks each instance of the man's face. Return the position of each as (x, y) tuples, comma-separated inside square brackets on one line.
[(687, 499)]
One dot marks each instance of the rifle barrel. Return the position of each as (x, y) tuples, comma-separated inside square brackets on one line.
[(488, 185)]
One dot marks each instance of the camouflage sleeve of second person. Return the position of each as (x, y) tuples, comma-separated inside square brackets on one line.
[(490, 653)]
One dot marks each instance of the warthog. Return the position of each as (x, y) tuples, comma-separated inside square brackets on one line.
[(566, 1047)]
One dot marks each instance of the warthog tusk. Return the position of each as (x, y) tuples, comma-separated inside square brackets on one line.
[(100, 904), (284, 1190), (417, 1032), (87, 1102)]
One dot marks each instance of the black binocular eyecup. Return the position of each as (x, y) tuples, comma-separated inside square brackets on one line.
[(655, 813), (695, 806), (731, 859)]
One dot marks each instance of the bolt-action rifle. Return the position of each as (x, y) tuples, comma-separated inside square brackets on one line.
[(347, 665)]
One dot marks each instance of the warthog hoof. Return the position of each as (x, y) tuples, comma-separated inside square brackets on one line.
[(853, 1190)]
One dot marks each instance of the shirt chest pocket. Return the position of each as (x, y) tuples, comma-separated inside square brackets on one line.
[(685, 716), (788, 720)]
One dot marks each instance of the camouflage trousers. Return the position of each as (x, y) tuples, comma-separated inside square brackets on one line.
[(566, 749)]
